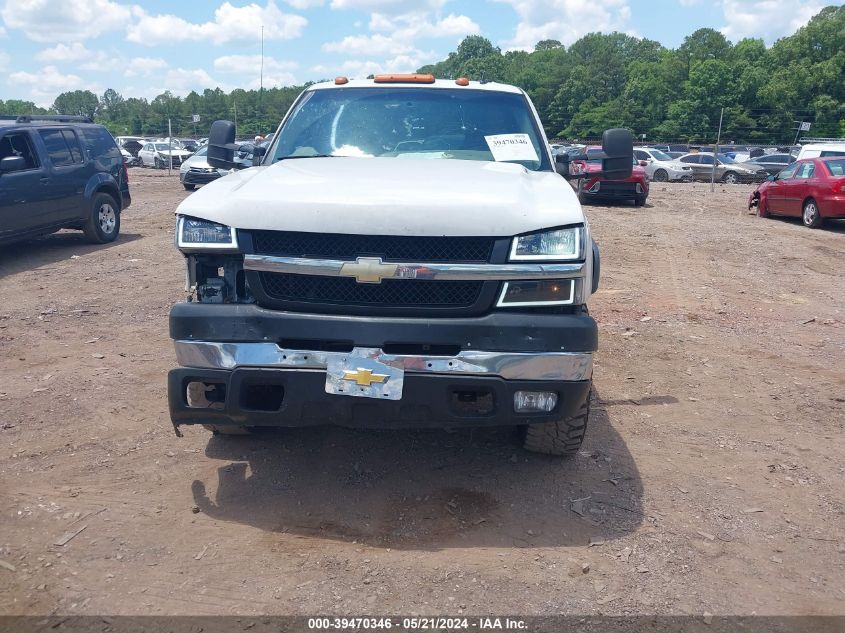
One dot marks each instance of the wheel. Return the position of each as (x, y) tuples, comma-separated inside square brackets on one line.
[(661, 175), (561, 437), (811, 216), (159, 164), (582, 198), (762, 208), (188, 187), (730, 178), (103, 224), (227, 429), (639, 201)]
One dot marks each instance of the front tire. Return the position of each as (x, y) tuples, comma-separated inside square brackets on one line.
[(639, 201), (811, 216), (103, 224), (560, 437), (661, 175), (730, 178), (188, 187)]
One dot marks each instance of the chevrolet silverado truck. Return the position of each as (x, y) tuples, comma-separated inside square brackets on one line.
[(405, 253)]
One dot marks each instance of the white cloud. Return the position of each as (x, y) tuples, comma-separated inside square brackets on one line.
[(768, 19), (565, 20), (394, 7), (180, 81), (230, 24), (68, 20), (301, 5), (276, 72), (64, 53), (396, 34), (46, 84), (377, 44), (144, 66)]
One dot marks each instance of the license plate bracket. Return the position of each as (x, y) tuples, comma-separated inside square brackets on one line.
[(363, 377)]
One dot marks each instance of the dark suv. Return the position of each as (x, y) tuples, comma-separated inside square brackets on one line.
[(60, 172)]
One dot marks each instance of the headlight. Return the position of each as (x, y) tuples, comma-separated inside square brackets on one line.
[(557, 245), (193, 233)]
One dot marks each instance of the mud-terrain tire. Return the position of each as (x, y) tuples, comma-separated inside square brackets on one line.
[(103, 223), (560, 437)]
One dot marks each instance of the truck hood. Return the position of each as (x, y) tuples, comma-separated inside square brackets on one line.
[(388, 196)]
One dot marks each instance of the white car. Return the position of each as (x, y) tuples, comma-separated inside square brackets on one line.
[(821, 150), (196, 170), (660, 167), (158, 154), (406, 253)]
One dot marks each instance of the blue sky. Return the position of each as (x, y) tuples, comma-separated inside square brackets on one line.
[(143, 48)]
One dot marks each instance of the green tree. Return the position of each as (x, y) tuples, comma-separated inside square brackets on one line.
[(77, 103)]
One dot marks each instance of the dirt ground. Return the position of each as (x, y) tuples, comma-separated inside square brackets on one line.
[(712, 479)]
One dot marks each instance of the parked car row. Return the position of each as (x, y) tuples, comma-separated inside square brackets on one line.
[(159, 153)]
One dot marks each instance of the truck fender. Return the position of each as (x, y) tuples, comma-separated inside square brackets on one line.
[(596, 266)]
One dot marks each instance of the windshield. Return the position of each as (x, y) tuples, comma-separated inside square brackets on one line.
[(202, 151), (163, 147), (658, 155), (413, 123)]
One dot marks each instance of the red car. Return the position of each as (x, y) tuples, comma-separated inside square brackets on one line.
[(633, 188), (812, 189)]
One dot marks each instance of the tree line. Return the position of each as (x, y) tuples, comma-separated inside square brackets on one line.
[(600, 81)]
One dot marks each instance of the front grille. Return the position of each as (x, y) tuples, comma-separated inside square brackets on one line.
[(400, 293), (610, 187), (388, 247)]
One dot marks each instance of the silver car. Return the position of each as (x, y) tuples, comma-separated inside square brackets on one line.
[(196, 170), (660, 167), (727, 169), (159, 155)]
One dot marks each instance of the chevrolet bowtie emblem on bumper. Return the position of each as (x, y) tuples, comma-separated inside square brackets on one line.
[(364, 377), (368, 270)]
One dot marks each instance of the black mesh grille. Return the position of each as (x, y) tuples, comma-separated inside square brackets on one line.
[(388, 247), (390, 292), (617, 187)]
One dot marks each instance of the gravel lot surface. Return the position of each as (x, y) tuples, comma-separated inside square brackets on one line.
[(712, 479)]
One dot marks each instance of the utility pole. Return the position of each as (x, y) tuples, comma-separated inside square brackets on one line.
[(169, 146), (716, 153), (261, 84)]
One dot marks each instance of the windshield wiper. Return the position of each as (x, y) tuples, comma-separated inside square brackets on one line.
[(307, 156)]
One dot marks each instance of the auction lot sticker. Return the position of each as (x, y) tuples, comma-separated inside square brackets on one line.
[(511, 147)]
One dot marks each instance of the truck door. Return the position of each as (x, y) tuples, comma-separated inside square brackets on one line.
[(23, 203), (68, 176)]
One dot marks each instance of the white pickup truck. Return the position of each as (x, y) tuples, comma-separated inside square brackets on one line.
[(405, 254)]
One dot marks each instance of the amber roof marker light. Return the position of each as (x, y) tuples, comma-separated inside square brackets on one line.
[(339, 81), (413, 78), (462, 81)]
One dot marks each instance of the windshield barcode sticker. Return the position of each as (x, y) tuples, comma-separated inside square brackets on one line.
[(511, 147)]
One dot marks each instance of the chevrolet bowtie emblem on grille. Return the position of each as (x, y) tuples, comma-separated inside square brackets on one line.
[(368, 270), (364, 377)]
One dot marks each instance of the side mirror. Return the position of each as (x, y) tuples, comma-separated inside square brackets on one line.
[(221, 146), (772, 178), (618, 147), (12, 163), (644, 163)]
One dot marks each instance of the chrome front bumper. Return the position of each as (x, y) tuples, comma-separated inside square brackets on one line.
[(557, 366)]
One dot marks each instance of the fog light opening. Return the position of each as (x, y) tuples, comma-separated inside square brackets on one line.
[(534, 401), (205, 395)]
